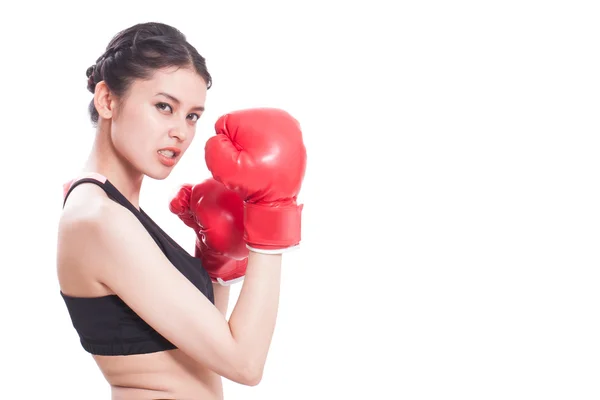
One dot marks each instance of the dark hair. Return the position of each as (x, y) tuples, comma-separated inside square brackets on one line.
[(136, 52)]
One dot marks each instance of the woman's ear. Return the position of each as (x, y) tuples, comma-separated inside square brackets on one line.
[(103, 100)]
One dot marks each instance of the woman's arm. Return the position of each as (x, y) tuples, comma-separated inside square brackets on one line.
[(256, 307), (221, 297), (253, 317), (126, 259)]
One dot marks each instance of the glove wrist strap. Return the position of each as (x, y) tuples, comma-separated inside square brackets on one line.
[(272, 228)]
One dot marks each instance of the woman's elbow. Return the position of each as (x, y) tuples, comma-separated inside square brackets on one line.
[(251, 375)]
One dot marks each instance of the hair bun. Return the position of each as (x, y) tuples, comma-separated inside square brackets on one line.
[(90, 71), (91, 84)]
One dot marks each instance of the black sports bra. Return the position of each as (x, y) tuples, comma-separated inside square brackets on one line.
[(106, 325)]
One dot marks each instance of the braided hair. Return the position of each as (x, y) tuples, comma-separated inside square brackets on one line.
[(136, 52)]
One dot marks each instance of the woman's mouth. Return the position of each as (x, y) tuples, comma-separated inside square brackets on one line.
[(167, 153), (168, 156)]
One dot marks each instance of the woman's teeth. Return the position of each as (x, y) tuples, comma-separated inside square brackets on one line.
[(167, 153)]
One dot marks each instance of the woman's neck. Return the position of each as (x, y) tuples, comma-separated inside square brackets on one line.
[(104, 160)]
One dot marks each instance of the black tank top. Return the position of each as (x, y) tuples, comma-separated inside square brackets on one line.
[(106, 325)]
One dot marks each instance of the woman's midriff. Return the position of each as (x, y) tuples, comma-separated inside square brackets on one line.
[(168, 375)]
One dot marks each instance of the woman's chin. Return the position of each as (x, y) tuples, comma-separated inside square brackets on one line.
[(158, 173)]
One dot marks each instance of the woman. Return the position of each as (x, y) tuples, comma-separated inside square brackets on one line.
[(152, 315)]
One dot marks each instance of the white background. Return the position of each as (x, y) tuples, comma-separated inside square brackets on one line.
[(451, 220)]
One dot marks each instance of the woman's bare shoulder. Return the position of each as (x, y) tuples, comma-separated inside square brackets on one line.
[(87, 209), (87, 215)]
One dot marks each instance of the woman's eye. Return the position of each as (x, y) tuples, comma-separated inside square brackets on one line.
[(163, 107), (195, 117)]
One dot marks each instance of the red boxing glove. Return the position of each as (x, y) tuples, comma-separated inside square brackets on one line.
[(221, 269), (216, 215), (180, 205), (260, 154)]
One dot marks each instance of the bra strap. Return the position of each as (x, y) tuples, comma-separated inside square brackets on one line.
[(105, 184)]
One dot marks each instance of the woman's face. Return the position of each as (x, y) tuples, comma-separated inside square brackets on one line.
[(156, 122)]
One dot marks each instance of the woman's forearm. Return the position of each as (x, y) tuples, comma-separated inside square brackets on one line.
[(253, 317), (221, 297)]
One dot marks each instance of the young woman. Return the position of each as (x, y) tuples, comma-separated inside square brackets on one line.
[(151, 314)]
